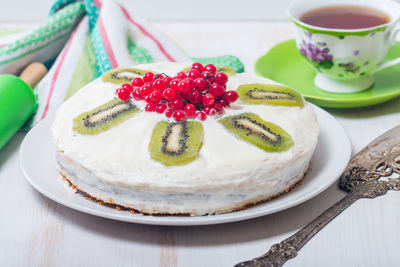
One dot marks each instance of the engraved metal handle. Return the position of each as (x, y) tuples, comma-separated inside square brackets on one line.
[(288, 248)]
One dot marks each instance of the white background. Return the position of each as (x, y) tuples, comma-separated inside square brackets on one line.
[(17, 11), (36, 10)]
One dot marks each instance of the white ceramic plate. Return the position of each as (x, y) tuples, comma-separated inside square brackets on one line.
[(37, 160)]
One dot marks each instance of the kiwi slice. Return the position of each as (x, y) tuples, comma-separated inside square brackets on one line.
[(226, 69), (254, 130), (104, 117), (176, 143), (122, 75), (269, 94)]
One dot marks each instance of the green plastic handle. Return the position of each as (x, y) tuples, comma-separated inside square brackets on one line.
[(17, 104)]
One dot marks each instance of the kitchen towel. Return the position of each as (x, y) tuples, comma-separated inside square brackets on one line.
[(83, 39)]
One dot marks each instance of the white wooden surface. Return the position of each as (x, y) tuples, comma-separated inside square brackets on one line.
[(35, 231)]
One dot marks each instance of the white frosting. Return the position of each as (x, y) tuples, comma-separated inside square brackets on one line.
[(225, 164)]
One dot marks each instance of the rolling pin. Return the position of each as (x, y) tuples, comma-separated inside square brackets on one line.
[(17, 101)]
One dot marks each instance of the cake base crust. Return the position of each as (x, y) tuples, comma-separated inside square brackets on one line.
[(239, 206)]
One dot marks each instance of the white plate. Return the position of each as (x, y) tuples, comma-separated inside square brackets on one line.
[(37, 160)]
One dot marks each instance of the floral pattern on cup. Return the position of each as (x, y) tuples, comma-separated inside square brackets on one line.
[(318, 54), (349, 67)]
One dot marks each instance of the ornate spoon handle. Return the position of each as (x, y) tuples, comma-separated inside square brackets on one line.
[(288, 248)]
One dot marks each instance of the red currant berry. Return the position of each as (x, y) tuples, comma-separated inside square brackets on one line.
[(221, 78), (148, 99), (224, 102), (208, 99), (195, 97), (159, 84), (128, 86), (216, 89), (200, 84), (167, 80), (156, 96), (186, 85), (231, 96), (124, 93), (219, 108), (177, 96), (158, 76), (197, 66), (206, 109), (190, 110), (201, 116), (150, 107), (137, 98), (136, 94), (211, 68), (179, 115), (181, 75), (148, 77), (206, 75), (209, 111), (160, 108), (145, 90), (177, 104), (174, 84), (185, 95), (169, 94), (212, 112), (137, 81), (193, 74), (149, 84), (169, 112)]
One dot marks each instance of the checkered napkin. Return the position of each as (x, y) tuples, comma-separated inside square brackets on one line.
[(83, 39)]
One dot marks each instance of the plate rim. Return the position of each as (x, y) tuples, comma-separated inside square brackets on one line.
[(332, 100), (189, 220)]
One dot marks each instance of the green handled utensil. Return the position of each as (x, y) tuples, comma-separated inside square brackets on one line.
[(17, 101)]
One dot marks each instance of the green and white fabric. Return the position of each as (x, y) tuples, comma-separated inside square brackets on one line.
[(81, 40)]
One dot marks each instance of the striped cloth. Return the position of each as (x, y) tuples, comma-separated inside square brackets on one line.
[(83, 39)]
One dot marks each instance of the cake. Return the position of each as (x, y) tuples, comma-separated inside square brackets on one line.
[(117, 150)]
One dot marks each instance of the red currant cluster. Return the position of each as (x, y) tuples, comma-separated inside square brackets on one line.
[(196, 93)]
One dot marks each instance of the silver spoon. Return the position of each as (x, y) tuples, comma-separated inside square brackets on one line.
[(371, 173)]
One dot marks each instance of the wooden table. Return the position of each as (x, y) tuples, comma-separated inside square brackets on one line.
[(35, 231)]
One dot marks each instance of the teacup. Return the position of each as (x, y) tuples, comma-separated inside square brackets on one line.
[(345, 59)]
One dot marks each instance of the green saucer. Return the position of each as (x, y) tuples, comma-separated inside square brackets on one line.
[(284, 63)]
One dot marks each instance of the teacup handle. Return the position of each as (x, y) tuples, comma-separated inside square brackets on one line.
[(393, 61)]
